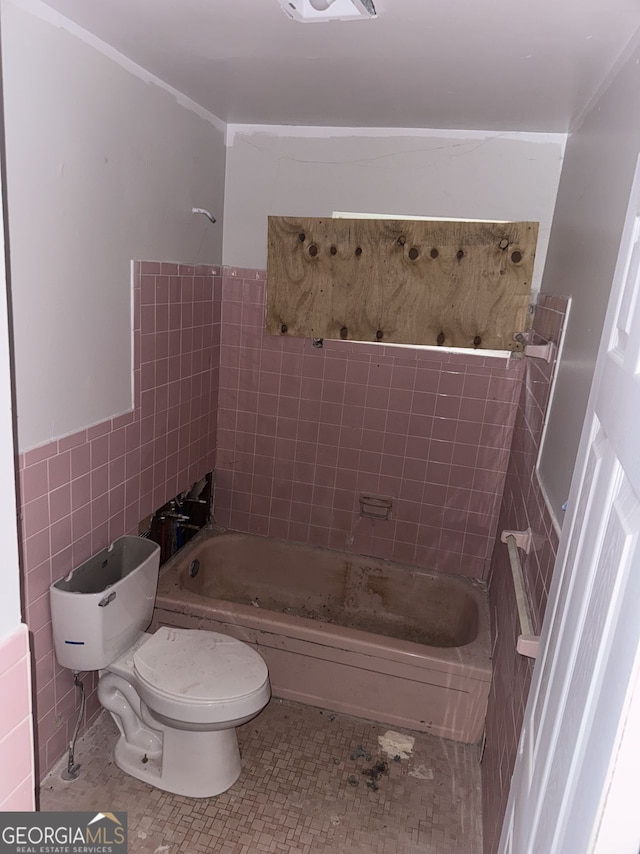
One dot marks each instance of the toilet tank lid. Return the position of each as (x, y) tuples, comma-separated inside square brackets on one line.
[(199, 666)]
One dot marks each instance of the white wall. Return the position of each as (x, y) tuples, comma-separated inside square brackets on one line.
[(294, 171), (17, 784), (600, 160), (103, 165), (10, 610)]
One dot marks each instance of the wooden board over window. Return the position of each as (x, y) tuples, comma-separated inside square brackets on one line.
[(452, 284)]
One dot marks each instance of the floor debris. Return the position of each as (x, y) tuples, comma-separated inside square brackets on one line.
[(421, 772), (361, 753), (396, 744), (375, 773), (291, 784)]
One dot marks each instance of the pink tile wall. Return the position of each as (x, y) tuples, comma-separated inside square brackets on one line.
[(523, 507), (302, 432), (17, 782), (81, 492)]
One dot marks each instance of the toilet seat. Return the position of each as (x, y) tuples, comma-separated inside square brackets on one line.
[(199, 676)]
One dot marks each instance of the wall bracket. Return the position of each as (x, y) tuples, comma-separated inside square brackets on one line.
[(540, 351), (536, 351), (524, 539), (527, 645)]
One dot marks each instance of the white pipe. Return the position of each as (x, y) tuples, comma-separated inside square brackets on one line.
[(204, 211)]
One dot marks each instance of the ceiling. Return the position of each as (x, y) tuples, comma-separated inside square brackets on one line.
[(523, 65)]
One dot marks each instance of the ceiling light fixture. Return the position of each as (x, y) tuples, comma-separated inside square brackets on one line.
[(313, 11)]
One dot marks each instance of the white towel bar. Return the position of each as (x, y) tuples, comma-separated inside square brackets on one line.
[(527, 642)]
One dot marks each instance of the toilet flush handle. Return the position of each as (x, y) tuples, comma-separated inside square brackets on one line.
[(107, 599)]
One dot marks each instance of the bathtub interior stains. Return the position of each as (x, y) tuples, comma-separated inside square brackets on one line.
[(378, 585), (325, 586)]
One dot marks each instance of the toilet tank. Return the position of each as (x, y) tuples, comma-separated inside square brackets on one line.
[(105, 604)]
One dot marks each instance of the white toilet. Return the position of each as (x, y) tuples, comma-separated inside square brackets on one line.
[(176, 695)]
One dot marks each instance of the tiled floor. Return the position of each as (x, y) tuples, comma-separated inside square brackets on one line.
[(302, 791)]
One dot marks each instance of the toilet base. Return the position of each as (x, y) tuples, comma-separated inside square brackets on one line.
[(193, 764)]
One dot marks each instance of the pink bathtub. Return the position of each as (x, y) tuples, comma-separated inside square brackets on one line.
[(371, 638)]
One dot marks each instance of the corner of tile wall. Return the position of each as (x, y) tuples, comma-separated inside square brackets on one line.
[(523, 506), (81, 492)]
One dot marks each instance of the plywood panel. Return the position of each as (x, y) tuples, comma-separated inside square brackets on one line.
[(454, 284)]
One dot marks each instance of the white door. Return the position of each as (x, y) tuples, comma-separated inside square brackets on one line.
[(574, 788)]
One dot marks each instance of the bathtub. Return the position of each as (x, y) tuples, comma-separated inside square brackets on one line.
[(371, 638)]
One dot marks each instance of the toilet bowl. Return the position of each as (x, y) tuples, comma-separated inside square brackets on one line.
[(176, 695)]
